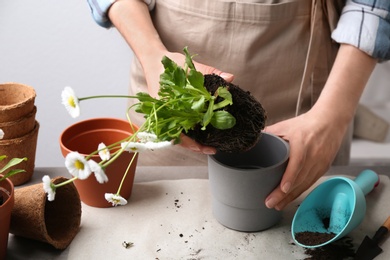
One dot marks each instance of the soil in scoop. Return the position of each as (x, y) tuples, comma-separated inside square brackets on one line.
[(341, 249), (313, 238)]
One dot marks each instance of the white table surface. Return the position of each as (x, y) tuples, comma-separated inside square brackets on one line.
[(169, 217)]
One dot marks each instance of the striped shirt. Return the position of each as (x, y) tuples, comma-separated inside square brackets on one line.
[(364, 24)]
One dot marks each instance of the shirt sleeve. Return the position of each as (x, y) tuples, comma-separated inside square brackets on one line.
[(99, 10), (365, 24)]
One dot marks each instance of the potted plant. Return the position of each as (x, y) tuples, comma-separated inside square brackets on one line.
[(6, 200), (204, 107)]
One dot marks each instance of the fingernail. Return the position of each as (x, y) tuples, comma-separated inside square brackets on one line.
[(286, 187), (270, 203), (225, 75), (208, 151), (195, 148)]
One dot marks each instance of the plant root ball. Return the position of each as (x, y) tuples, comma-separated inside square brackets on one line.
[(250, 120)]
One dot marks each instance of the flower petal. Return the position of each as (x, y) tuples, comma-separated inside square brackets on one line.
[(77, 165), (158, 145), (100, 175), (146, 137), (115, 199), (49, 188), (133, 147), (104, 153), (71, 102)]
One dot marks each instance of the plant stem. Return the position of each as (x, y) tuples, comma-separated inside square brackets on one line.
[(127, 170)]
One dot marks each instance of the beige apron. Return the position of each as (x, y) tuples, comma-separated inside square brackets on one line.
[(272, 48)]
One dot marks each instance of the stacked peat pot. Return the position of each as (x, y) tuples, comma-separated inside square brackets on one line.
[(17, 121)]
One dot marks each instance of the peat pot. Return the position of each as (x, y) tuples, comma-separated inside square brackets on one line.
[(240, 183), (24, 146), (54, 222), (16, 101), (85, 137), (7, 200)]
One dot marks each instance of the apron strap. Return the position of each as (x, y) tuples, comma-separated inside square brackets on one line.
[(311, 57)]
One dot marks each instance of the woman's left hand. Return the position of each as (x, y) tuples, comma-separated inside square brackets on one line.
[(314, 140)]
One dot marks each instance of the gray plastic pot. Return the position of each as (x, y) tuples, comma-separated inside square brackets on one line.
[(240, 183)]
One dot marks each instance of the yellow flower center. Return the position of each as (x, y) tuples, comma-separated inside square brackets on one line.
[(71, 102), (79, 165)]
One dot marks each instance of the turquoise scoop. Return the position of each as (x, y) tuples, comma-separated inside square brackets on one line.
[(336, 207)]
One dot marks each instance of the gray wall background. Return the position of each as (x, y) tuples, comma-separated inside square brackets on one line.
[(51, 44)]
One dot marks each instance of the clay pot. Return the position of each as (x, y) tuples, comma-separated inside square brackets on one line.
[(54, 222), (20, 147), (19, 127), (7, 194), (241, 182), (16, 101), (84, 137)]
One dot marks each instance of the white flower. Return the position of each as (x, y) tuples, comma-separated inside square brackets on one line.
[(49, 188), (115, 199), (70, 101), (146, 137), (77, 165), (141, 147), (133, 147), (158, 145), (100, 175), (104, 153), (1, 134)]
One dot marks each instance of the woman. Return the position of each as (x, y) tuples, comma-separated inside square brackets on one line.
[(307, 67)]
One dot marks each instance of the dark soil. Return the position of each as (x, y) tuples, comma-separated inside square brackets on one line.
[(250, 120), (3, 195), (339, 250), (313, 238)]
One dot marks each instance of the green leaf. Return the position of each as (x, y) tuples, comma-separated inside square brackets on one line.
[(224, 93), (196, 79), (189, 62), (168, 64), (222, 120), (179, 77), (12, 162), (198, 105), (209, 114), (11, 173)]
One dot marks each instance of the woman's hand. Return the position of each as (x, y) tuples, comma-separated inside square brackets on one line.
[(315, 137), (314, 140)]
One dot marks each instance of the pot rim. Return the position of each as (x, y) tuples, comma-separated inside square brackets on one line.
[(67, 132), (10, 189), (21, 139), (21, 103), (281, 162), (20, 120)]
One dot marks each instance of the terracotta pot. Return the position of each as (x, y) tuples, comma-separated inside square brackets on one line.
[(16, 101), (24, 146), (7, 193), (241, 182), (19, 127), (84, 137), (54, 222)]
